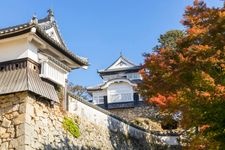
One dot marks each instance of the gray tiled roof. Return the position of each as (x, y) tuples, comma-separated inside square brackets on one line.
[(36, 85), (46, 24), (121, 57), (120, 69), (25, 28), (62, 48), (14, 29), (99, 87), (25, 79)]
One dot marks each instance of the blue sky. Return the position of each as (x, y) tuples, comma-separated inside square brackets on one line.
[(101, 29)]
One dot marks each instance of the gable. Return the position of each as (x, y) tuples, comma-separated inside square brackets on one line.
[(121, 62), (53, 34), (51, 29)]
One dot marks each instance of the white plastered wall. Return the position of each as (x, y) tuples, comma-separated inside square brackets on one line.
[(97, 94), (17, 49), (117, 89)]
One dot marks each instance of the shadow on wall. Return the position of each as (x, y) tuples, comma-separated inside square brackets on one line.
[(122, 137), (127, 137), (66, 144)]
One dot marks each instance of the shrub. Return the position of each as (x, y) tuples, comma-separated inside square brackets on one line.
[(168, 123), (70, 126)]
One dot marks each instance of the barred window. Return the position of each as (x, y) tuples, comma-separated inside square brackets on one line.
[(98, 99), (121, 97)]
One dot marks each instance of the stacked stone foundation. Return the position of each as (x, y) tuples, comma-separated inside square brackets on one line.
[(29, 122), (12, 121)]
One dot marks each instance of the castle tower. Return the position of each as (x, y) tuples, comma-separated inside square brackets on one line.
[(118, 89), (34, 67)]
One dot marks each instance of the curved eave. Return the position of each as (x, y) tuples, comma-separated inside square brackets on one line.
[(94, 89), (47, 22), (116, 71), (105, 85), (61, 48), (15, 31), (26, 28)]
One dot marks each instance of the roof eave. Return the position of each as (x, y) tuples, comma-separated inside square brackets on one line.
[(106, 72), (62, 49), (14, 32), (26, 28)]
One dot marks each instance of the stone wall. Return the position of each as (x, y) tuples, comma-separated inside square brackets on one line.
[(46, 132), (143, 115), (12, 121), (29, 122), (142, 111)]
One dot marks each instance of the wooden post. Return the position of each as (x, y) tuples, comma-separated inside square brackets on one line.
[(136, 98), (105, 102)]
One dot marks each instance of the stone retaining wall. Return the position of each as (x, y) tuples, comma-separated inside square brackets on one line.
[(46, 132), (12, 121), (28, 122), (142, 111)]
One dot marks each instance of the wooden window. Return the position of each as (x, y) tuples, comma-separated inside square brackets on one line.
[(53, 72), (98, 99)]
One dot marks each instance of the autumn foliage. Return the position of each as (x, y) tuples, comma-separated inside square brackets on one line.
[(190, 77)]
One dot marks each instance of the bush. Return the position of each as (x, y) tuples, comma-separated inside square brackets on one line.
[(168, 123), (70, 126)]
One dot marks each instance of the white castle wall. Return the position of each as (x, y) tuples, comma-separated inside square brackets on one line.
[(105, 119), (17, 49)]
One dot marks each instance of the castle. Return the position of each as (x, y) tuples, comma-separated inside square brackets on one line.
[(34, 67), (118, 89)]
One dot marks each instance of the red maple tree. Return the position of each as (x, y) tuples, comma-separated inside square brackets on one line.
[(191, 77)]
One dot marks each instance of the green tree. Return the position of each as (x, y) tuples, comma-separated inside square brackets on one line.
[(169, 39), (192, 79)]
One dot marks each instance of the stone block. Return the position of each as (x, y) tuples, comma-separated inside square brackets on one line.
[(6, 123), (21, 95), (21, 147), (20, 130), (30, 109), (2, 130), (22, 108), (14, 108), (5, 135), (19, 120), (28, 118), (15, 114), (9, 116), (27, 140), (38, 112), (7, 104), (29, 130), (11, 130), (20, 140), (14, 143), (4, 146)]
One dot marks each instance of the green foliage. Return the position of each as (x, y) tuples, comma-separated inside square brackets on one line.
[(70, 126), (168, 123), (169, 39)]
